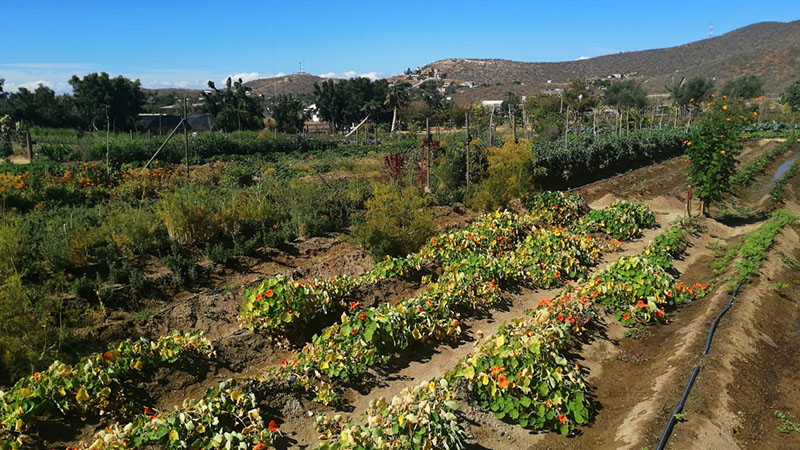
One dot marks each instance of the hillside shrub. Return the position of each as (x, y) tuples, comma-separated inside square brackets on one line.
[(511, 175), (396, 221)]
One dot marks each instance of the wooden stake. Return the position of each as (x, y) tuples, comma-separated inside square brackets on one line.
[(186, 135), (466, 120)]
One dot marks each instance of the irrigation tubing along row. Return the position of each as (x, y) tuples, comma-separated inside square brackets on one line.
[(674, 417)]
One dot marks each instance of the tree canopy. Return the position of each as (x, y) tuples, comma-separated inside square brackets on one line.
[(791, 96), (695, 89), (289, 113), (345, 102), (625, 94), (745, 86), (233, 108), (98, 96)]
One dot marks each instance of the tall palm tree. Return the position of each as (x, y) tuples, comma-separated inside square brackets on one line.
[(397, 98)]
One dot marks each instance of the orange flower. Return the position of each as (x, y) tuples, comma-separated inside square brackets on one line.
[(258, 297), (755, 113), (496, 370), (36, 375), (640, 304), (502, 382), (722, 152), (562, 418), (269, 293), (724, 107), (626, 316), (260, 446)]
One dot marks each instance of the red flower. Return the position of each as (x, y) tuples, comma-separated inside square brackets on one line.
[(558, 275), (502, 382), (362, 316), (560, 317), (626, 316), (152, 418), (640, 304), (571, 319), (273, 427), (283, 361), (419, 308), (36, 375), (258, 297), (148, 411), (555, 206), (269, 293), (562, 418), (107, 355)]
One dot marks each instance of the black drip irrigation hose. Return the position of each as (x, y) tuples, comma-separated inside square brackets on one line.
[(674, 417)]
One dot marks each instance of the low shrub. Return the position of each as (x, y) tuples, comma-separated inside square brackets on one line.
[(396, 222)]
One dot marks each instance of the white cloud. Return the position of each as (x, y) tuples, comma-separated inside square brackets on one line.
[(32, 85), (353, 74), (245, 77), (582, 58)]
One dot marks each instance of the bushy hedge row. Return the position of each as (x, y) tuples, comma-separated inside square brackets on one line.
[(589, 158)]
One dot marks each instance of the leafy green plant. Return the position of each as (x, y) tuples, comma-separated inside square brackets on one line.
[(622, 220), (183, 268), (787, 426), (396, 221), (96, 384)]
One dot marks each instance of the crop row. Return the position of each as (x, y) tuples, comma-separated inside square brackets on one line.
[(364, 338), (96, 385), (520, 373), (748, 173)]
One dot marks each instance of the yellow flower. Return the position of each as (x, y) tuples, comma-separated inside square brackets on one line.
[(722, 152), (755, 113), (724, 107)]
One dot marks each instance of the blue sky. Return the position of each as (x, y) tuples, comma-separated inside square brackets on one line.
[(173, 43)]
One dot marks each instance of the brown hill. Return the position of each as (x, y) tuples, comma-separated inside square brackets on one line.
[(770, 50), (296, 84)]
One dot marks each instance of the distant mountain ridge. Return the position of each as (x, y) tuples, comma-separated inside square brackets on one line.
[(770, 50)]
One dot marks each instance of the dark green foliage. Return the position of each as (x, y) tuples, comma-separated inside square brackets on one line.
[(589, 158), (289, 113), (625, 94), (103, 101), (343, 102), (85, 288), (791, 96), (233, 108), (183, 267), (217, 253), (694, 90), (745, 86)]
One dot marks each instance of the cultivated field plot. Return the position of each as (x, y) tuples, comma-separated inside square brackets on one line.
[(571, 321)]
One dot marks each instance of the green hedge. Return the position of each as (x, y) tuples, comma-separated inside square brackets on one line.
[(589, 158)]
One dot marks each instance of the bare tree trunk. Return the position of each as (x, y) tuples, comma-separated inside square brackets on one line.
[(394, 118)]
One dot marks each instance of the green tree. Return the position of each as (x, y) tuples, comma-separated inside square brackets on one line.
[(712, 151), (745, 86), (514, 103), (99, 97), (233, 108), (544, 114), (791, 96), (397, 98), (581, 100), (694, 90), (344, 102), (41, 107), (625, 94), (290, 114)]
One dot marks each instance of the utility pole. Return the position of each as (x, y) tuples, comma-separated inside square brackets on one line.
[(466, 119), (186, 134), (513, 118)]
